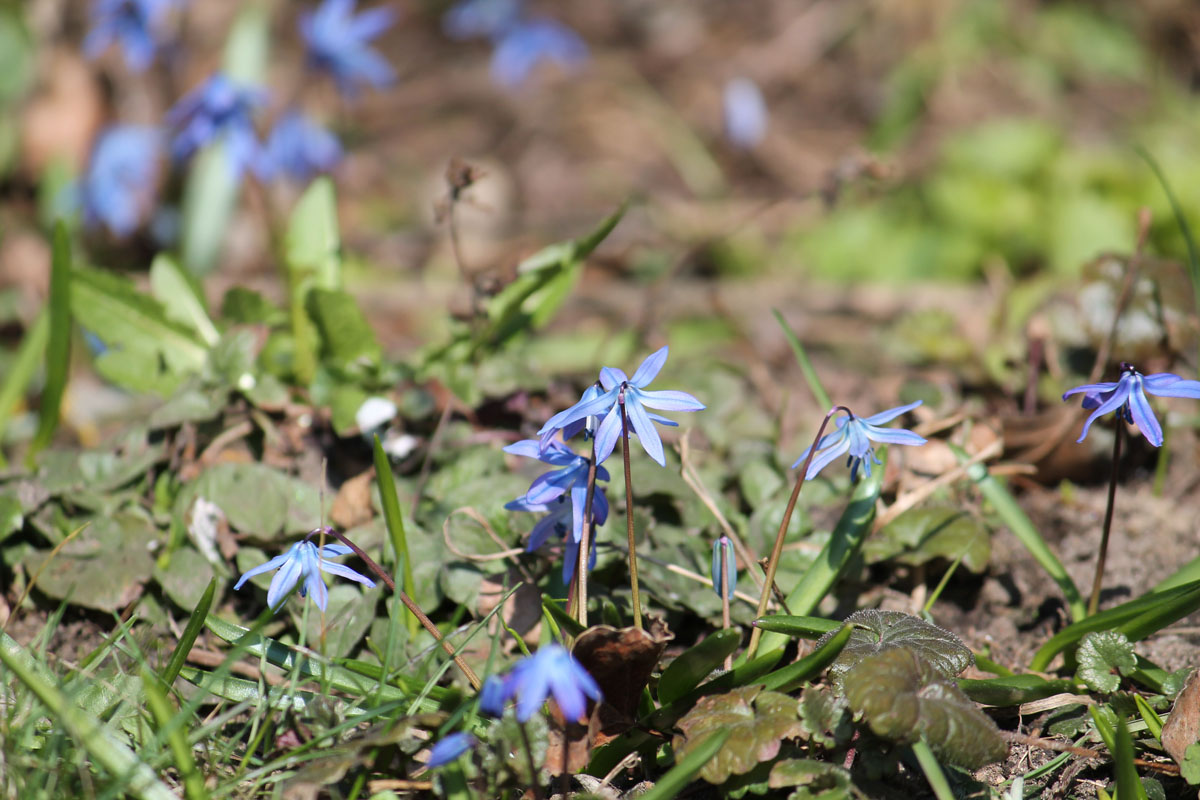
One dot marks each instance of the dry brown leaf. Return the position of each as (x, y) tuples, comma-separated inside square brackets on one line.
[(1182, 728), (352, 505)]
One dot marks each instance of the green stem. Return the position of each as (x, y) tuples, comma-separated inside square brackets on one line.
[(633, 573), (933, 771), (1098, 580), (534, 786)]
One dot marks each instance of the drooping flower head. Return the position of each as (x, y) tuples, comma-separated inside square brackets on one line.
[(550, 672), (724, 580), (136, 25), (570, 477), (1127, 397), (118, 187), (745, 113), (559, 522), (300, 147), (853, 439), (339, 43), (449, 748), (220, 110), (304, 560), (619, 389)]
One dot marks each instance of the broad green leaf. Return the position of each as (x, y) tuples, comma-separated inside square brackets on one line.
[(875, 631), (904, 698), (248, 307), (346, 618), (1189, 770), (313, 244), (787, 678), (146, 351), (12, 516), (1104, 656), (825, 717), (759, 721), (185, 577), (347, 338), (815, 775), (256, 499), (190, 403), (695, 664), (180, 298), (240, 690), (58, 347), (922, 534)]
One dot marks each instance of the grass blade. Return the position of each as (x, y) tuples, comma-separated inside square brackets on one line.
[(933, 771), (58, 345), (791, 676), (806, 367), (680, 775), (1129, 787), (21, 372), (170, 726), (803, 627), (395, 526), (180, 653)]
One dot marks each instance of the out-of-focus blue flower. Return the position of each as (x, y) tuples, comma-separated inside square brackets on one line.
[(118, 187), (300, 148), (618, 390), (853, 438), (220, 110), (449, 749), (472, 19), (550, 672), (134, 24), (745, 113), (724, 581), (561, 519), (572, 477), (1127, 397), (338, 42), (491, 696), (304, 560), (522, 46)]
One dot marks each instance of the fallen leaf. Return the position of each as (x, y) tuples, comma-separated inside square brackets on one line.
[(352, 505), (1182, 728)]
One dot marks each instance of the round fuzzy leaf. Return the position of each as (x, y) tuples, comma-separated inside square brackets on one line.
[(1103, 657), (760, 721), (824, 716), (877, 631), (816, 775), (904, 697)]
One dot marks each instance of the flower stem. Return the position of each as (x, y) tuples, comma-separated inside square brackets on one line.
[(777, 550), (534, 786), (585, 541), (633, 573), (727, 570), (1094, 600), (408, 602)]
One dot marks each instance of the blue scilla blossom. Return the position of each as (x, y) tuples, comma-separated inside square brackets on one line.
[(304, 560), (338, 42), (550, 672), (220, 110), (299, 147), (853, 439), (745, 113), (724, 581), (449, 748), (1127, 397), (491, 696), (136, 25), (562, 518), (473, 19), (618, 390), (118, 187), (570, 477), (522, 46)]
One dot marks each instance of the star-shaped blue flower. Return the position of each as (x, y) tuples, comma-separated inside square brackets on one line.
[(571, 477), (449, 748), (118, 186), (338, 42), (619, 389), (220, 110), (1127, 397), (134, 24), (304, 560), (853, 438), (300, 148), (561, 519), (550, 672)]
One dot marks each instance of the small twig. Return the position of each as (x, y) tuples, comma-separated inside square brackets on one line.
[(633, 574)]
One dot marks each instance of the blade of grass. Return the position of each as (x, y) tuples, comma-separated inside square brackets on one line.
[(1129, 787), (807, 668), (680, 775), (395, 526), (806, 367), (190, 632), (23, 368), (99, 742), (169, 726), (58, 346), (1023, 528), (1153, 721), (933, 771), (803, 627)]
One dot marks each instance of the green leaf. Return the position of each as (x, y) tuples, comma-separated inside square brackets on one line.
[(905, 698), (807, 668), (1189, 770), (1103, 657), (180, 298), (22, 368), (169, 727), (347, 338), (679, 776), (146, 351), (184, 646), (922, 534), (1128, 785), (12, 516), (256, 499), (825, 717), (240, 690), (58, 347), (185, 577), (803, 627), (758, 720), (313, 244), (806, 366), (395, 527), (695, 664), (807, 772), (1013, 690), (875, 631)]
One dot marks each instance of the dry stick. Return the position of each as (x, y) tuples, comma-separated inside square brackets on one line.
[(1094, 600), (408, 603), (585, 541), (633, 575), (773, 564)]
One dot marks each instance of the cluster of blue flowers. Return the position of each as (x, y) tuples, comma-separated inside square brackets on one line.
[(124, 167), (520, 41)]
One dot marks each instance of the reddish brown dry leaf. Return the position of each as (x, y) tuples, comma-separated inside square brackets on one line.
[(352, 505), (1182, 728)]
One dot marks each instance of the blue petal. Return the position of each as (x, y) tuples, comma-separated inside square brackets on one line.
[(492, 697), (890, 414), (1164, 384), (1091, 388), (670, 400), (647, 433), (607, 434), (1144, 417), (1115, 401), (283, 582), (894, 436), (824, 457), (649, 368), (529, 448), (342, 571), (275, 563), (449, 749), (611, 378)]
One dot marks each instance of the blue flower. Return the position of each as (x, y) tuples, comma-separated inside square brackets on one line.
[(618, 390), (562, 518), (118, 186), (301, 148), (854, 436), (479, 18), (449, 749), (491, 696), (572, 477), (304, 560), (338, 43), (220, 110), (745, 113), (722, 587), (1127, 397), (550, 672), (521, 46), (135, 24)]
